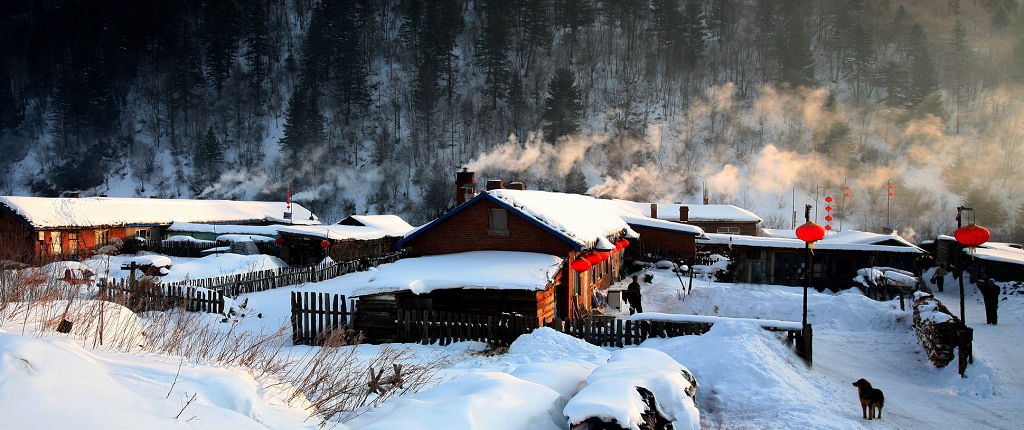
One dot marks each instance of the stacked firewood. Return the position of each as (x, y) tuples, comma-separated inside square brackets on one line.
[(936, 327)]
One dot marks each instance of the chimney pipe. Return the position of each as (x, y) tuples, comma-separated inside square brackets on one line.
[(654, 210), (465, 186), (684, 213), (494, 184), (516, 186)]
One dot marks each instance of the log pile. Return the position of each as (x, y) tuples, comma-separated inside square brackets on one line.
[(936, 327)]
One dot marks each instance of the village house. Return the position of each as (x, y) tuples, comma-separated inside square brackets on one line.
[(353, 238), (725, 219), (580, 231), (780, 257), (41, 228), (659, 239), (1000, 261)]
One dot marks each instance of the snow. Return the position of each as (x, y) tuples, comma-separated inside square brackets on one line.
[(498, 270), (748, 378), (262, 230), (339, 232), (392, 223), (43, 212)]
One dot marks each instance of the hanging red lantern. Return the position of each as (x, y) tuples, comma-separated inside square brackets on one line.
[(828, 199), (593, 258), (604, 255), (580, 265), (828, 218), (846, 195), (891, 194), (891, 186), (279, 240), (325, 243), (828, 227), (972, 235), (622, 244), (846, 188), (810, 232), (828, 208)]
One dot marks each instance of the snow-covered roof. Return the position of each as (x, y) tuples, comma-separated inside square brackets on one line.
[(338, 231), (696, 213), (392, 223), (633, 217), (263, 230), (63, 212), (997, 251), (495, 270), (850, 240), (579, 219)]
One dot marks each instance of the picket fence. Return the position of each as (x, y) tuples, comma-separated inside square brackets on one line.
[(147, 296)]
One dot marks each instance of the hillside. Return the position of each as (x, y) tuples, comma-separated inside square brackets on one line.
[(371, 105)]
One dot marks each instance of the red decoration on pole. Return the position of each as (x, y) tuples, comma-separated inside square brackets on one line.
[(279, 240), (810, 232), (325, 243), (828, 218), (828, 199), (580, 265), (972, 235), (829, 208), (847, 194), (891, 194), (828, 227)]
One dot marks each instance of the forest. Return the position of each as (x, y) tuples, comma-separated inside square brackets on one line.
[(900, 110)]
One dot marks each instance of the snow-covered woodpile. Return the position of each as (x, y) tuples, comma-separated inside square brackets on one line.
[(936, 327)]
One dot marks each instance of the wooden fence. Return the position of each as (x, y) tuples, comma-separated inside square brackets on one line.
[(142, 296), (252, 282), (316, 315)]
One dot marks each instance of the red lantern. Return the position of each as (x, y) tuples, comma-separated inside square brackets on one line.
[(847, 194), (325, 243), (891, 194), (846, 188), (593, 258), (622, 244), (828, 227), (828, 208), (604, 255), (891, 186), (810, 232), (279, 240), (972, 235), (828, 199), (828, 218), (580, 265)]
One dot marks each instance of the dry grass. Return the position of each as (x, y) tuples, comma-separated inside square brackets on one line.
[(332, 382)]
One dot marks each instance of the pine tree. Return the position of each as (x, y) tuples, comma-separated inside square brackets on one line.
[(221, 28), (304, 124), (563, 107), (796, 63), (11, 112), (693, 34), (923, 91), (575, 181), (492, 51)]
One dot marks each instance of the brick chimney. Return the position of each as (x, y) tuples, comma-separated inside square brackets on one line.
[(494, 184), (654, 210), (465, 186), (684, 213), (516, 186)]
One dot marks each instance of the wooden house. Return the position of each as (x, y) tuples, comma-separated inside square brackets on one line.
[(567, 226), (724, 219), (837, 257), (71, 227), (1000, 261), (353, 238), (659, 239)]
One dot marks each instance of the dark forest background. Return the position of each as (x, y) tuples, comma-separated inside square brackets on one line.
[(372, 105)]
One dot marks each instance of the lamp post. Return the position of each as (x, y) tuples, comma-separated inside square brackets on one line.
[(809, 232), (970, 236)]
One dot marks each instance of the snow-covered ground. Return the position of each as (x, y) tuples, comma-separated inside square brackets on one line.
[(748, 378)]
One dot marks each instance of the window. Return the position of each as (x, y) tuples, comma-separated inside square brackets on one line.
[(498, 222), (729, 230), (55, 248), (102, 237)]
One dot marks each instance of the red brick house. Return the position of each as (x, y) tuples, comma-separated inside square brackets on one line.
[(41, 228), (569, 226)]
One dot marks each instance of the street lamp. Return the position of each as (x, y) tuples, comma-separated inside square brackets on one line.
[(970, 236), (809, 232)]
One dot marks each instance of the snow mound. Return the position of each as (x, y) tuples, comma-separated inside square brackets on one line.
[(550, 345)]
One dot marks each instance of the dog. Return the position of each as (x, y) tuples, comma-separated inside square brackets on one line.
[(870, 399)]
